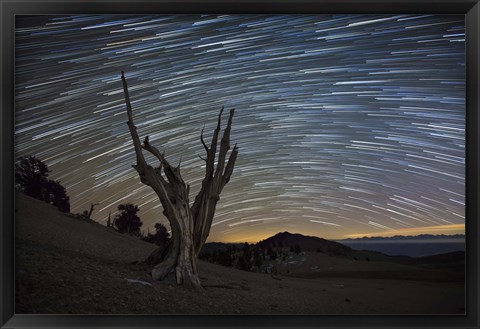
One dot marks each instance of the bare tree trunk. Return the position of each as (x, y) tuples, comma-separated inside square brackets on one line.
[(203, 208), (190, 225)]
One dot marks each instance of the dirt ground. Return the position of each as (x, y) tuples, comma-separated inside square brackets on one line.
[(68, 266)]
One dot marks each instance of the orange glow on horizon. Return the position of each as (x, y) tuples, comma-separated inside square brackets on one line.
[(240, 238), (434, 230), (440, 229)]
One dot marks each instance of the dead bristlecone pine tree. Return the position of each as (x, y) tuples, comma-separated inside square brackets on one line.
[(190, 225)]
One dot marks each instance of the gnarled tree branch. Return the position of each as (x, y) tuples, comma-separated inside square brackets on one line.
[(133, 130), (190, 225), (215, 179)]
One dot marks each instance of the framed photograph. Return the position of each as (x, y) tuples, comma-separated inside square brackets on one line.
[(240, 164)]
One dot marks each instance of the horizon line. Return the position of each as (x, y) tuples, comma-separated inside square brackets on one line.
[(452, 229)]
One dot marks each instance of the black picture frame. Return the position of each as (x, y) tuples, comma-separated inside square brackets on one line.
[(10, 8)]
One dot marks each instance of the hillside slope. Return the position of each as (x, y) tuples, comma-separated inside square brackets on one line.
[(68, 266)]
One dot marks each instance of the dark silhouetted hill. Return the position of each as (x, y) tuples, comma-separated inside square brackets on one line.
[(307, 243)]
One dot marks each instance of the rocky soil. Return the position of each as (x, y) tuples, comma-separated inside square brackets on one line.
[(67, 266)]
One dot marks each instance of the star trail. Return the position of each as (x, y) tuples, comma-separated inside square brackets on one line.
[(347, 125)]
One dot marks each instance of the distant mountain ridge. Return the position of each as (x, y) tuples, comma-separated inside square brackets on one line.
[(307, 243), (290, 240), (378, 248), (413, 246), (406, 237)]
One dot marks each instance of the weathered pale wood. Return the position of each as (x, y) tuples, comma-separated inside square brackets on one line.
[(215, 179), (190, 225)]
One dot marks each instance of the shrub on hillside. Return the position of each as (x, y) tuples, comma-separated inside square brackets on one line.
[(31, 177), (160, 237), (127, 220)]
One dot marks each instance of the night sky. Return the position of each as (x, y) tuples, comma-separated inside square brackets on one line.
[(347, 125)]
